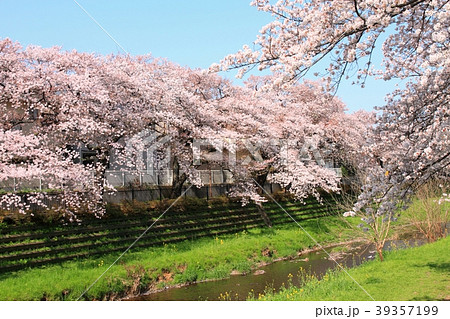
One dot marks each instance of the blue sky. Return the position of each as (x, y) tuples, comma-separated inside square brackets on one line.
[(194, 33)]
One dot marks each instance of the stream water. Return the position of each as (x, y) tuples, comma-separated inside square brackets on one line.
[(275, 275)]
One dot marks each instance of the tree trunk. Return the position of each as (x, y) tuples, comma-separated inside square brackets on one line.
[(264, 215), (177, 181), (261, 180), (100, 174), (380, 252)]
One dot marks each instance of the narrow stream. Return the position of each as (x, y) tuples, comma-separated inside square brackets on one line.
[(275, 275)]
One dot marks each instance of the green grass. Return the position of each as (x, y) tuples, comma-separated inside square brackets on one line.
[(77, 239), (214, 258), (137, 271), (421, 273)]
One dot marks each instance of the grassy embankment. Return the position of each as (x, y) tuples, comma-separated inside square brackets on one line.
[(209, 258), (157, 267), (421, 273)]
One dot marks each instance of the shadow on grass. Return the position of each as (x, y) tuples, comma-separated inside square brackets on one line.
[(437, 266), (428, 298), (317, 224), (424, 298), (442, 267)]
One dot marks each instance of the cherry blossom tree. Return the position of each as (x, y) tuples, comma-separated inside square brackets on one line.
[(60, 100), (411, 143), (56, 101), (251, 127), (309, 128), (260, 132), (24, 159)]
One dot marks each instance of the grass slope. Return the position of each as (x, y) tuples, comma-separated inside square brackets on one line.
[(138, 271)]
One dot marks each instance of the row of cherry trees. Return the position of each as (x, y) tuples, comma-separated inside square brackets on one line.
[(53, 102)]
